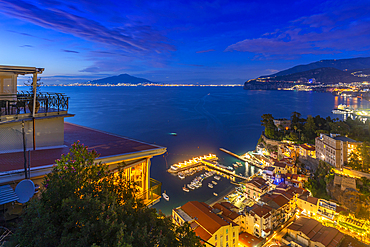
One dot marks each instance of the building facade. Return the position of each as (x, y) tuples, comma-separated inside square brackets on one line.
[(208, 223), (334, 149), (34, 135)]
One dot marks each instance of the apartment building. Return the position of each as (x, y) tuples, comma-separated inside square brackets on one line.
[(334, 149), (255, 188), (208, 223), (258, 220)]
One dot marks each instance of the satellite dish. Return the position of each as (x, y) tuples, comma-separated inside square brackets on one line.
[(25, 190)]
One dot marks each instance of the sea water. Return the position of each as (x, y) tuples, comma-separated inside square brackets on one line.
[(204, 118)]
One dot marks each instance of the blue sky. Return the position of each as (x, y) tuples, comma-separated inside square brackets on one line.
[(179, 41)]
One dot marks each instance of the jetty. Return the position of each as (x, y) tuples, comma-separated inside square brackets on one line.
[(192, 163), (223, 169), (249, 158)]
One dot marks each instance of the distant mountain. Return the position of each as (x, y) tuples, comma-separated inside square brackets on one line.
[(123, 78), (323, 75), (324, 72), (341, 64)]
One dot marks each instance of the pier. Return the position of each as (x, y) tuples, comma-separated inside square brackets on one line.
[(209, 161), (220, 168), (251, 160), (191, 164)]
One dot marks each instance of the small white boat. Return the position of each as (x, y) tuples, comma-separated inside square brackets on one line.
[(165, 196), (230, 168), (210, 185), (214, 182), (217, 177), (185, 189), (235, 165), (191, 186), (215, 194), (181, 175), (239, 164)]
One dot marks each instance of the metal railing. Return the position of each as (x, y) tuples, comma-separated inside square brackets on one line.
[(152, 194), (22, 102)]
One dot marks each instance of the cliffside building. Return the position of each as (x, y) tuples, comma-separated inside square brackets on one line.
[(208, 223), (32, 139), (334, 149)]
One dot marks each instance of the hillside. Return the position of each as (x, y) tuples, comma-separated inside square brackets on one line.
[(323, 75), (341, 64), (123, 78)]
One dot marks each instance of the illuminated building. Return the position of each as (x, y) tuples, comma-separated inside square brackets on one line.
[(334, 149), (255, 188), (259, 220), (309, 232), (31, 140), (210, 224)]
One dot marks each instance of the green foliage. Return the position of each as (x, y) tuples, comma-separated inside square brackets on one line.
[(84, 204), (271, 130), (359, 158), (317, 185), (306, 130)]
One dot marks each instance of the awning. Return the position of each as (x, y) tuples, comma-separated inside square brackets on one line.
[(7, 194)]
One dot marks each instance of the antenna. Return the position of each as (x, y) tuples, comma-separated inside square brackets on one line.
[(25, 190)]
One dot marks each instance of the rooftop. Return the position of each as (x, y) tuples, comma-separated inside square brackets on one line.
[(107, 145), (258, 182), (314, 230), (20, 70), (248, 240), (202, 213)]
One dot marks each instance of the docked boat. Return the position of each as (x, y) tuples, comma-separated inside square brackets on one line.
[(181, 175), (165, 196), (217, 177), (190, 186), (235, 165), (230, 168), (215, 194), (185, 189), (239, 164), (214, 182), (210, 185)]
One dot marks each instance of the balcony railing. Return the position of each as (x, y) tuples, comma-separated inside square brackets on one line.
[(21, 103), (152, 195)]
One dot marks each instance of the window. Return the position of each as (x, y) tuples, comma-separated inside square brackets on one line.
[(216, 237), (227, 231), (233, 234), (227, 238)]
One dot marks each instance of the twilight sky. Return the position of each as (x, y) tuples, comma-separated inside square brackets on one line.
[(179, 41)]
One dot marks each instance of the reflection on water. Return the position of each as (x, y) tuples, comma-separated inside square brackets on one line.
[(203, 118), (354, 103)]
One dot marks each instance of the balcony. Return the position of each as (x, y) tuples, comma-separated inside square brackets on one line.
[(17, 106), (152, 195)]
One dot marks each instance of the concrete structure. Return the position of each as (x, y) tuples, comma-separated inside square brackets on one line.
[(309, 232), (283, 122), (31, 141), (307, 205), (208, 223), (258, 220), (307, 150), (255, 188), (334, 149)]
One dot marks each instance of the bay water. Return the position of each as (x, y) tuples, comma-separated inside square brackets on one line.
[(204, 119)]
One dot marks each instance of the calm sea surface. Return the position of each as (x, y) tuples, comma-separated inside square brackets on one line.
[(204, 118)]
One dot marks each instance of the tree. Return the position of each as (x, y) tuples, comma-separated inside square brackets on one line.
[(270, 128), (310, 128), (295, 117), (85, 204)]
